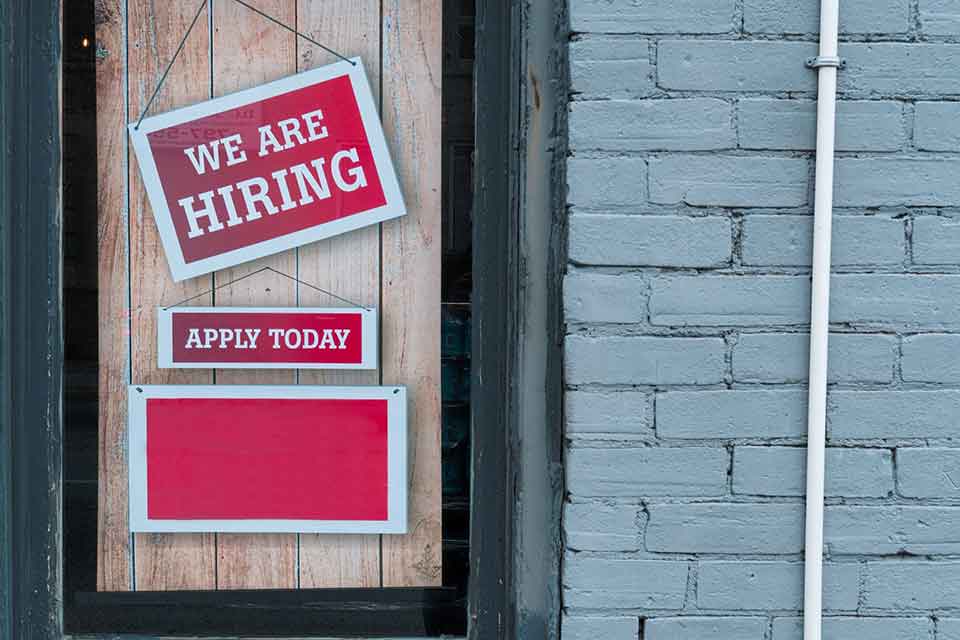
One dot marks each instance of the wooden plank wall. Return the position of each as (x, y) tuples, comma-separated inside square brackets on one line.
[(395, 266), (349, 264), (412, 72)]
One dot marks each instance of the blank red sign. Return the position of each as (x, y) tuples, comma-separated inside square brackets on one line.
[(229, 458), (267, 463)]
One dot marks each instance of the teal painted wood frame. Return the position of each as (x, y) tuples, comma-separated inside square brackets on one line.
[(31, 342)]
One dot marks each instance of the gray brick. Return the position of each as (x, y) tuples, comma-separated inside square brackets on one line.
[(601, 527), (644, 360), (937, 126), (652, 16), (731, 414), (663, 241), (792, 124), (735, 65), (610, 68), (931, 358), (604, 182), (595, 297), (877, 182), (777, 585), (906, 300), (856, 16), (857, 240), (900, 68), (728, 181), (618, 414), (859, 627), (647, 471), (939, 17), (873, 69), (785, 357), (936, 240), (593, 627), (602, 583), (725, 528), (698, 124), (928, 473), (894, 414), (911, 586), (892, 529), (781, 471), (948, 628), (703, 628), (729, 300)]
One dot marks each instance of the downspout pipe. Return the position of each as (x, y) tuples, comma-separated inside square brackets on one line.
[(827, 64)]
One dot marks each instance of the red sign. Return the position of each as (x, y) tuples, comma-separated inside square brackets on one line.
[(266, 338), (268, 458), (267, 169)]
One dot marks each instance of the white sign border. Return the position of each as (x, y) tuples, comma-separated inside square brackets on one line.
[(397, 496), (369, 337), (393, 208)]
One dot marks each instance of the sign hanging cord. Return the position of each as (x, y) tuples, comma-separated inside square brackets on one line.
[(292, 30), (261, 270), (186, 35)]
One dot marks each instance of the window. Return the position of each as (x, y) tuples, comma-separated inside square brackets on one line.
[(33, 442), (106, 576)]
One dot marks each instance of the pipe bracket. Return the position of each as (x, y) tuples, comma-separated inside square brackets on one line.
[(826, 61)]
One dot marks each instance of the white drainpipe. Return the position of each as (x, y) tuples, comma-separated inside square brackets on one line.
[(827, 64)]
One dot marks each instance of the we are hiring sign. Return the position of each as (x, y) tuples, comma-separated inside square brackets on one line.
[(267, 169)]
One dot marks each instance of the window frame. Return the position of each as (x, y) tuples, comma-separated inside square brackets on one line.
[(507, 562)]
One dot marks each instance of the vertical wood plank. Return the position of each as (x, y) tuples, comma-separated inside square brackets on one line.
[(113, 538), (411, 255), (347, 265), (249, 50), (163, 561)]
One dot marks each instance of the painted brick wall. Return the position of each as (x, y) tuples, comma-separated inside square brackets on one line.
[(687, 296)]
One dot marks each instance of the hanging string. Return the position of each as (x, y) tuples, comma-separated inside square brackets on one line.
[(186, 35), (261, 270), (183, 41), (292, 30)]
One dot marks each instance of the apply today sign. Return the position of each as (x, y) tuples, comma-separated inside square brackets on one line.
[(266, 338), (267, 169)]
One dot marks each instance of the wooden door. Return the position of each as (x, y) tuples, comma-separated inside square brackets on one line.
[(395, 266)]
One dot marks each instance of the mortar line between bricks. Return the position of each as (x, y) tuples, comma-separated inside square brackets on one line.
[(760, 153), (795, 500), (762, 614), (913, 20), (626, 330), (945, 212), (792, 387), (896, 483), (769, 559), (748, 37)]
